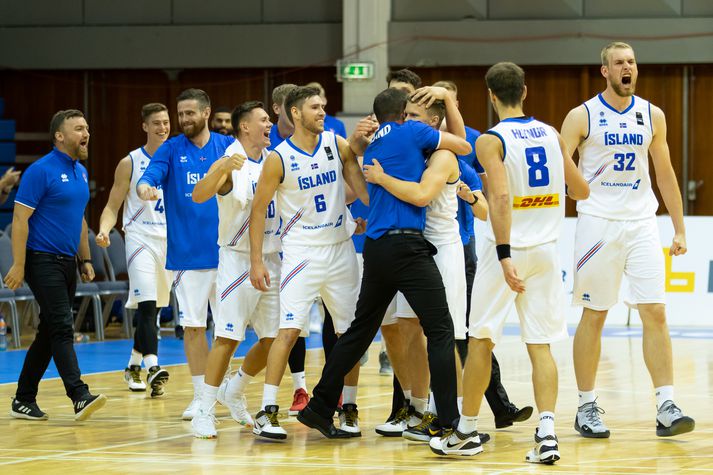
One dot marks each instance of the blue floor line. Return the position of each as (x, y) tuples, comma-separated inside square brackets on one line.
[(112, 355)]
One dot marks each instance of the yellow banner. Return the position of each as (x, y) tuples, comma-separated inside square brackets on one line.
[(537, 201)]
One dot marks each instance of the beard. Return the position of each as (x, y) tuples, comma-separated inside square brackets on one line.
[(315, 127), (79, 152), (192, 130), (621, 92)]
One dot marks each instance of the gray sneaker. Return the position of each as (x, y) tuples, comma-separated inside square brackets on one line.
[(385, 364), (670, 421), (588, 423)]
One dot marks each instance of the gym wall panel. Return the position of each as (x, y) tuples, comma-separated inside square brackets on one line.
[(127, 12)]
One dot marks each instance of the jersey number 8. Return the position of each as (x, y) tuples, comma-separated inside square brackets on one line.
[(537, 172)]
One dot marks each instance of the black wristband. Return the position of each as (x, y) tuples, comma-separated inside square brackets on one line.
[(503, 251), (86, 261), (475, 200)]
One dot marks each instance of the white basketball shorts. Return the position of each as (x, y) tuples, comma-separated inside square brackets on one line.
[(194, 290), (146, 263)]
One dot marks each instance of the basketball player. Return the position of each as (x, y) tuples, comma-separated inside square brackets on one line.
[(191, 228), (527, 163), (308, 172), (232, 180), (145, 230), (617, 233)]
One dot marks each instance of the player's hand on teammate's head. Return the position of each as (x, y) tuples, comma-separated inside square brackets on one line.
[(373, 173), (510, 274), (361, 226), (233, 162), (102, 240), (678, 246), (365, 127), (427, 95), (147, 192)]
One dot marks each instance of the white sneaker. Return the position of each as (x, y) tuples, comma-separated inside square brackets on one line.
[(670, 421), (589, 423), (192, 409), (349, 420), (545, 451), (238, 408), (132, 376), (456, 443), (396, 426), (267, 425), (203, 425)]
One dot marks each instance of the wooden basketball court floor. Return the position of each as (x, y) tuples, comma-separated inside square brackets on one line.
[(135, 434)]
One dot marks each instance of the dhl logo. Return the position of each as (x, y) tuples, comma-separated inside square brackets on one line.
[(537, 201)]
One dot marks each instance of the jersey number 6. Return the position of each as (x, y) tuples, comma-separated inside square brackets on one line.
[(319, 204)]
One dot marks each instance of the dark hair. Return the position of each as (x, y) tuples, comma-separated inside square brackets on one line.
[(447, 84), (507, 81), (438, 108), (279, 93), (404, 75), (58, 119), (389, 105), (222, 109), (297, 97), (152, 108), (240, 112), (197, 95)]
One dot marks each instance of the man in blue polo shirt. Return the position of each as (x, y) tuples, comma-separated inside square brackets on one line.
[(192, 228), (49, 232), (396, 258)]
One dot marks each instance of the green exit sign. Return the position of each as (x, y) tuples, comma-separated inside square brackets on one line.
[(354, 70)]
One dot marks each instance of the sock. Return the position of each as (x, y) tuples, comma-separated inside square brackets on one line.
[(237, 384), (547, 424), (586, 397), (663, 394), (208, 397), (467, 424), (419, 404), (135, 358), (349, 395), (407, 395), (459, 402), (432, 404), (150, 361), (299, 381), (269, 395), (198, 383)]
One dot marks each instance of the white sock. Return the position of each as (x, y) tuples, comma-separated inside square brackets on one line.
[(150, 361), (467, 424), (547, 424), (587, 397), (459, 402), (407, 395), (208, 397), (236, 385), (663, 394), (432, 404), (135, 358), (269, 395), (349, 395), (299, 381), (198, 383), (419, 404)]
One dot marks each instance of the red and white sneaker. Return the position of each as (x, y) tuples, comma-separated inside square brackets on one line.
[(299, 402)]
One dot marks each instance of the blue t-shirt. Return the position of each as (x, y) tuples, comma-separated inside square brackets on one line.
[(400, 149), (56, 187), (192, 228), (332, 124), (465, 215), (275, 138), (471, 159)]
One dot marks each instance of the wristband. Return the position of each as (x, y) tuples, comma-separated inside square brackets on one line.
[(503, 251), (475, 200), (86, 261)]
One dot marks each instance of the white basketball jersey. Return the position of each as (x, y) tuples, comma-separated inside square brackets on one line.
[(143, 217), (441, 225), (535, 168), (311, 199), (234, 215), (614, 159)]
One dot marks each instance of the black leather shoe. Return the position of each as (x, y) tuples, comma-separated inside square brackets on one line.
[(314, 421), (512, 414)]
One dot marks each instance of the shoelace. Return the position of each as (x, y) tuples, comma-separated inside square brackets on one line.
[(272, 419), (401, 415), (135, 376), (592, 413), (425, 423), (671, 409), (350, 417)]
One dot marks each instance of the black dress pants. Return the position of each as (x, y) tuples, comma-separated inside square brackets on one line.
[(53, 281), (396, 262)]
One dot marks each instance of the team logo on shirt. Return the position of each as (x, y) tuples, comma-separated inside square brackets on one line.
[(183, 159), (229, 327), (294, 166), (328, 151), (202, 159), (314, 166), (602, 120), (64, 178), (639, 118), (622, 125), (585, 297), (536, 201)]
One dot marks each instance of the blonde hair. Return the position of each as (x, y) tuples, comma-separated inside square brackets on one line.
[(449, 85), (611, 46)]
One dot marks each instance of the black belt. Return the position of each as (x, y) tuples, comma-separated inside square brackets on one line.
[(408, 231), (59, 257)]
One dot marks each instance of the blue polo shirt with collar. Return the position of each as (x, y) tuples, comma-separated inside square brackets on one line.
[(465, 216), (332, 124), (400, 149), (191, 228), (275, 138), (471, 135), (56, 187)]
